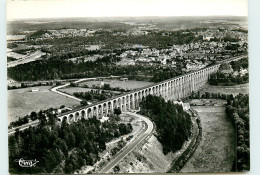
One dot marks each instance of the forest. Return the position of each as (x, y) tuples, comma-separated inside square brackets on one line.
[(238, 111), (173, 124), (63, 148), (58, 68), (155, 39)]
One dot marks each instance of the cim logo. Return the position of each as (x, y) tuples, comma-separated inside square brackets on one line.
[(27, 163)]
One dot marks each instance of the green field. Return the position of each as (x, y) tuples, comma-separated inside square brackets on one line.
[(22, 101), (71, 90), (216, 150), (128, 85)]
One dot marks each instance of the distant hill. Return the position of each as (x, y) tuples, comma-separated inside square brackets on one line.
[(164, 23)]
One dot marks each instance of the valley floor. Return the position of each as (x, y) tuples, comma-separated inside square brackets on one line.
[(216, 150)]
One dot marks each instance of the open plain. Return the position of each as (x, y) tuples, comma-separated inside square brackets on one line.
[(22, 102)]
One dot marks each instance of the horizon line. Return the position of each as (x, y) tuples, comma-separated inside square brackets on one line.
[(23, 19)]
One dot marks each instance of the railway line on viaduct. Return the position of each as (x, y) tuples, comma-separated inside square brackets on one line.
[(171, 89)]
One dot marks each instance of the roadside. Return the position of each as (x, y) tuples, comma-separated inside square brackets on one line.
[(20, 128), (142, 127), (26, 58), (148, 156)]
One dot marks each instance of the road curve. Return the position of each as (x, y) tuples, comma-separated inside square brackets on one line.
[(55, 89), (128, 148), (26, 59)]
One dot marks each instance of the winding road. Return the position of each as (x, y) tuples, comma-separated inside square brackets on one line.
[(55, 89), (129, 147), (26, 59)]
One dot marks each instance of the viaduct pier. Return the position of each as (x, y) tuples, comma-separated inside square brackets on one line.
[(171, 89)]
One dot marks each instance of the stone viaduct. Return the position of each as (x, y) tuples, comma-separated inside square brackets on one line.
[(171, 89)]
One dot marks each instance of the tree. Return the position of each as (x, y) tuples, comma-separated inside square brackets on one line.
[(33, 116), (102, 144), (70, 140), (116, 169), (83, 103), (42, 118), (122, 129), (106, 87), (23, 85), (73, 84), (51, 119), (68, 168), (117, 111)]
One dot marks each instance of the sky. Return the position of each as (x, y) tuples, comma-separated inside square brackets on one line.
[(22, 9)]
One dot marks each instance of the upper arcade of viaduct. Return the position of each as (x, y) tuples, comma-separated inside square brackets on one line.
[(172, 89)]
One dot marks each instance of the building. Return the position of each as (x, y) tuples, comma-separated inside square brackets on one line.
[(123, 79), (34, 89)]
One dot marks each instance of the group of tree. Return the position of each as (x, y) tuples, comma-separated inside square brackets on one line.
[(208, 95), (166, 73), (232, 47), (237, 65), (19, 122), (238, 111), (107, 86), (24, 51), (230, 39), (24, 85), (51, 69), (92, 95), (63, 148), (153, 39), (79, 51), (37, 34), (173, 124), (220, 78), (228, 79), (9, 59), (42, 116)]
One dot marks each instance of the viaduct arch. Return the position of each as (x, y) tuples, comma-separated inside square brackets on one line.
[(171, 89)]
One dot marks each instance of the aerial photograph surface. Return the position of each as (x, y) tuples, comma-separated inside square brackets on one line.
[(126, 86)]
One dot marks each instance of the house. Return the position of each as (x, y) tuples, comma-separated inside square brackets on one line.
[(207, 38), (34, 89), (101, 84), (186, 106), (123, 79)]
